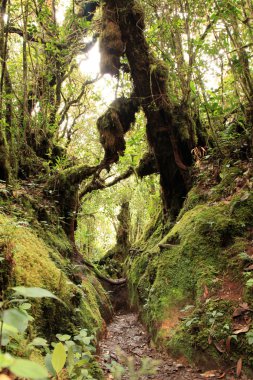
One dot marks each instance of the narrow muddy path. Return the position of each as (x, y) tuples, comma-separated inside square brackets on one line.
[(126, 338)]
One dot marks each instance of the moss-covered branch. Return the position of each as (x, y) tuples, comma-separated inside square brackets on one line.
[(64, 186), (111, 281), (147, 166)]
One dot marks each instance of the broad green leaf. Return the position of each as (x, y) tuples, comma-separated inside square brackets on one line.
[(82, 363), (250, 340), (48, 363), (250, 337), (63, 338), (5, 339), (59, 357), (25, 306), (249, 283), (71, 358), (8, 329), (193, 87), (5, 360), (30, 318), (86, 340), (34, 292), (245, 196), (39, 342), (69, 343), (28, 369), (7, 332), (16, 318)]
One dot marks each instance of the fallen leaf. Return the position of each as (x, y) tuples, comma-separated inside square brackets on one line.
[(239, 367), (249, 268), (114, 357), (210, 340), (244, 305), (206, 292), (222, 375), (220, 346), (209, 374), (245, 196), (228, 343), (247, 319), (240, 310), (249, 250), (244, 329)]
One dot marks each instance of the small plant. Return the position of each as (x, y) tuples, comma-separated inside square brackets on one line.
[(249, 283), (249, 336), (22, 367), (73, 356), (213, 316), (127, 365), (69, 356), (191, 321), (14, 321)]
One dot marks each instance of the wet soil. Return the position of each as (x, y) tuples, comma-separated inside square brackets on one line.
[(126, 338)]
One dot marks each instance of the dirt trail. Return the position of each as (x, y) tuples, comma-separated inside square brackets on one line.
[(127, 334)]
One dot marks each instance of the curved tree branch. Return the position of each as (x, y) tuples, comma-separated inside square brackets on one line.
[(72, 102), (147, 166)]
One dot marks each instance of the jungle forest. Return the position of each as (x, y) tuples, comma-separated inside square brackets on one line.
[(126, 196)]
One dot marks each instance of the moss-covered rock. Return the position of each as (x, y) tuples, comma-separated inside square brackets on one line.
[(32, 262), (188, 284)]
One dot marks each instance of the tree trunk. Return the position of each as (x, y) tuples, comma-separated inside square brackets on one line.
[(4, 149), (150, 85)]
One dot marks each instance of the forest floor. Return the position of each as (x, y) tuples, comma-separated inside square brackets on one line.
[(127, 343)]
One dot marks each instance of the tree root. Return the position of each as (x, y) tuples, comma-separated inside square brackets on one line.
[(100, 276)]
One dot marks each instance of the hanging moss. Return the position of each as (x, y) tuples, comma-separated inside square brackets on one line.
[(113, 125), (110, 44)]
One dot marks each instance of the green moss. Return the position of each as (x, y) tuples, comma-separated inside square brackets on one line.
[(195, 197), (203, 247), (203, 335), (227, 184), (33, 266), (95, 371), (58, 241)]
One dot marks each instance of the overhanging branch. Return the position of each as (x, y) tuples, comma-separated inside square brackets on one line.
[(30, 37), (98, 183), (147, 166)]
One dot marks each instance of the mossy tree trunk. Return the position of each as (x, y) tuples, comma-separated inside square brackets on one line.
[(122, 237), (113, 260), (4, 148), (150, 86), (64, 188)]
